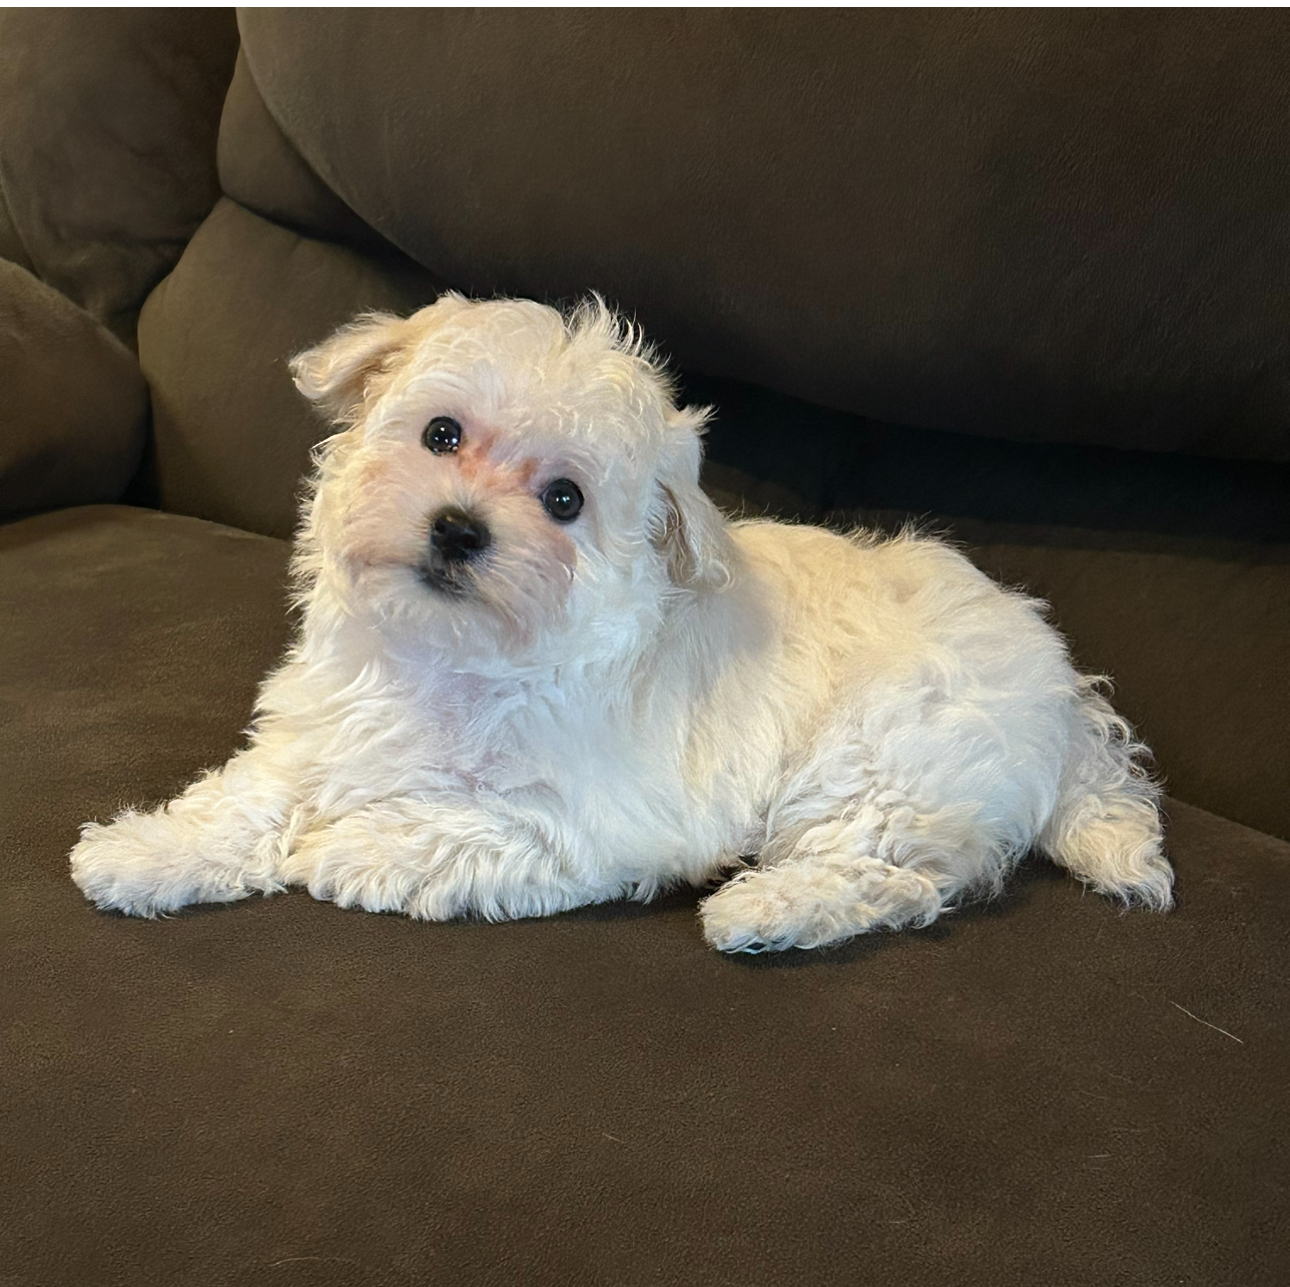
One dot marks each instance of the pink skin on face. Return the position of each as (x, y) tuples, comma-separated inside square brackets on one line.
[(395, 488)]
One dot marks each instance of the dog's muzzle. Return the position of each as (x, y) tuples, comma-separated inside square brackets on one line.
[(456, 537)]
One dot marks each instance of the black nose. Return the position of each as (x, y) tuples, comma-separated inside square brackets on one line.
[(456, 535)]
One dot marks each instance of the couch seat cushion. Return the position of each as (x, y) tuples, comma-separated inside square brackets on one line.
[(280, 1092)]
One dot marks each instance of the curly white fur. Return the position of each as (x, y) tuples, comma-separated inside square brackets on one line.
[(643, 696)]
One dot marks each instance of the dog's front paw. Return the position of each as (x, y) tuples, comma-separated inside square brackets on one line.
[(121, 866), (355, 863), (134, 865), (147, 864)]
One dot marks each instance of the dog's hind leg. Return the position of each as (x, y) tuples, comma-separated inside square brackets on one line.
[(815, 901), (877, 866), (222, 840)]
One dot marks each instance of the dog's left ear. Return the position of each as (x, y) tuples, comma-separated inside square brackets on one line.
[(337, 373), (690, 530)]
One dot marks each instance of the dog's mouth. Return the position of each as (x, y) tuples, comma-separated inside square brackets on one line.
[(447, 578)]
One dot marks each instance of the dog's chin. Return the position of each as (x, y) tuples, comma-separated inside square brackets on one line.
[(454, 613), (472, 619)]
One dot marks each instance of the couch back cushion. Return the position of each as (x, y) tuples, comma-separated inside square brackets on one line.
[(108, 121), (1058, 227), (1068, 226), (75, 405)]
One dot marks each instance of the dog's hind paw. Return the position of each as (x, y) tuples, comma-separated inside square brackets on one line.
[(816, 901)]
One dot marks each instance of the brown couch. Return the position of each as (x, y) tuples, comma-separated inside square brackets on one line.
[(1022, 274)]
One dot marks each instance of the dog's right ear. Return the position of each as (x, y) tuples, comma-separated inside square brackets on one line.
[(337, 374), (691, 532)]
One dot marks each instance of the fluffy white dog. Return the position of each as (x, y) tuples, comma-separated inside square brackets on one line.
[(538, 669)]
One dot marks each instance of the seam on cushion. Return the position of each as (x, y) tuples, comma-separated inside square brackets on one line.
[(17, 231), (308, 165), (314, 169)]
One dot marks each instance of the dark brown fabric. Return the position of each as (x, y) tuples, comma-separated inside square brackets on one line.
[(74, 408), (1057, 225), (1041, 1091), (108, 123), (11, 247), (149, 632), (809, 462), (231, 435), (1196, 640)]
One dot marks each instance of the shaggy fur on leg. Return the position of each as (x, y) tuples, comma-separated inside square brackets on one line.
[(538, 668)]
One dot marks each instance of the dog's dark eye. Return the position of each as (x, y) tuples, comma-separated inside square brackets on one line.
[(442, 435), (562, 500)]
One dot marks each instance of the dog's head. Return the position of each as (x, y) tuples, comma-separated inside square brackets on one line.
[(505, 477)]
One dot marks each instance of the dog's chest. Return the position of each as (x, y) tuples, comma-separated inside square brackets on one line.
[(586, 756)]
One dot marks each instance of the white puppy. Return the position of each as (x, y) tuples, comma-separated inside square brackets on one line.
[(538, 669)]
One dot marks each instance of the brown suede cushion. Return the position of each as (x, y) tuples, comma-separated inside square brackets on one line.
[(1041, 1091), (74, 409), (1056, 225), (108, 121), (1195, 638)]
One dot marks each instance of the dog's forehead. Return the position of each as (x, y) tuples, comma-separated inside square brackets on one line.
[(519, 367)]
